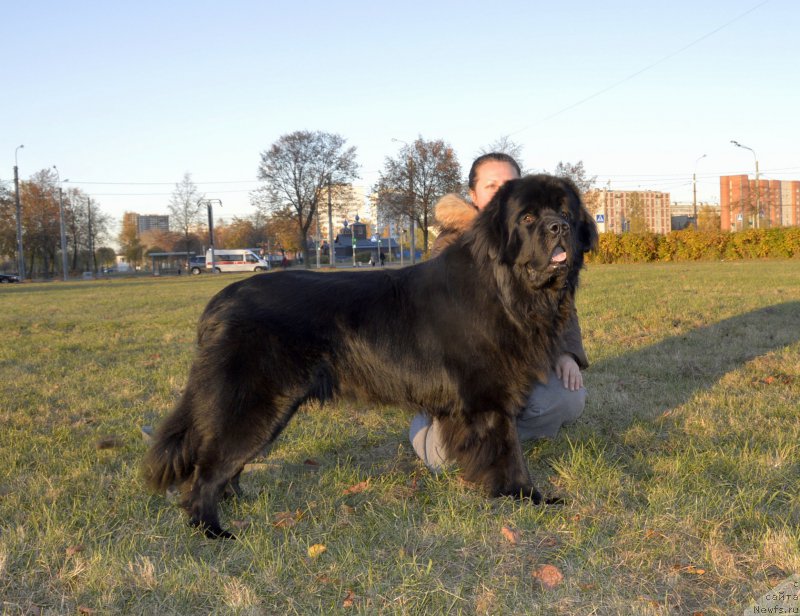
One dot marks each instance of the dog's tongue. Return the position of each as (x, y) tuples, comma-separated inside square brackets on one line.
[(559, 256)]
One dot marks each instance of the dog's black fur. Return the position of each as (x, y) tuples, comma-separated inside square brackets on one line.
[(463, 337)]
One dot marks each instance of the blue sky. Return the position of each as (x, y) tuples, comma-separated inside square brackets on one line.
[(126, 97)]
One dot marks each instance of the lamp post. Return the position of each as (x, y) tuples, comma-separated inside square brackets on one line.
[(410, 168), (694, 190), (61, 224), (211, 231), (20, 255), (758, 191)]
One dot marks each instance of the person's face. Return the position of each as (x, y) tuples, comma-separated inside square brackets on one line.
[(490, 176)]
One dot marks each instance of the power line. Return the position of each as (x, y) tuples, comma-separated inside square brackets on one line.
[(642, 70)]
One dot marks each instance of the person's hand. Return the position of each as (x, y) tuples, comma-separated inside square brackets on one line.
[(569, 373)]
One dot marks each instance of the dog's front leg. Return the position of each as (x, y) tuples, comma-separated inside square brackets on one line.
[(486, 448)]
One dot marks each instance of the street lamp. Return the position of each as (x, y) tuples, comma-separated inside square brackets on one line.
[(694, 190), (758, 196), (20, 255), (211, 231), (410, 167)]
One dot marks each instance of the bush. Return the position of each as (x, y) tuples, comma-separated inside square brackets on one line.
[(691, 245)]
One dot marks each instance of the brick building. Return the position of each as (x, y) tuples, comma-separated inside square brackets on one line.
[(740, 198), (617, 211)]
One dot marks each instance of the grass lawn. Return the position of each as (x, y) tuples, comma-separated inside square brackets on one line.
[(681, 479)]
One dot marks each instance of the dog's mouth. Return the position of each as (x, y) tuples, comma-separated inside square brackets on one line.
[(559, 256)]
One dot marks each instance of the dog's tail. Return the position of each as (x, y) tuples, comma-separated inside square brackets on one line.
[(171, 458)]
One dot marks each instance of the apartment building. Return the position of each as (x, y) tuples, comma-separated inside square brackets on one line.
[(617, 211), (745, 203)]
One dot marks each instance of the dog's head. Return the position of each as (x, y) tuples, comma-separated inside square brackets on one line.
[(539, 228)]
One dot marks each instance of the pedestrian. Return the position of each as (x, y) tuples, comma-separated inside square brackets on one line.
[(550, 405)]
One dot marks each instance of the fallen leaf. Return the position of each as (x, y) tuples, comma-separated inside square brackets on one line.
[(82, 609), (240, 524), (357, 488), (310, 462), (286, 519), (688, 569), (548, 576), (74, 549), (324, 579), (316, 550), (349, 599), (511, 534)]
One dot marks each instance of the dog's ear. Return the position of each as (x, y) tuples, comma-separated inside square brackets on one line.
[(587, 229), (507, 240)]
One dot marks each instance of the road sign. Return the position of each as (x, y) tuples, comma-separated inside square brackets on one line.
[(600, 217)]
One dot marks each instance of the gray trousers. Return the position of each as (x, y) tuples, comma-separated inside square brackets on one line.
[(549, 407)]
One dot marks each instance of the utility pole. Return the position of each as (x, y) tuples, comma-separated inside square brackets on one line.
[(694, 190), (61, 223), (412, 240), (20, 254), (211, 234), (91, 236), (757, 222), (331, 247)]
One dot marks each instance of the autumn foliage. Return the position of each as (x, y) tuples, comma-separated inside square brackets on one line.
[(691, 245)]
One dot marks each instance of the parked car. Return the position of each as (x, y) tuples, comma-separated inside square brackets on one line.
[(6, 278), (197, 265), (236, 260)]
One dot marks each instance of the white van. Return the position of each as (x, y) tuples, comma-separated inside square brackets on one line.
[(235, 260)]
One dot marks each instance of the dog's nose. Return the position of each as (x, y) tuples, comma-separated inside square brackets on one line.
[(558, 227)]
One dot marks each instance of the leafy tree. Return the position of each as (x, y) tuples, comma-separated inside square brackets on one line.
[(708, 219), (577, 173), (585, 183), (8, 223), (40, 221), (129, 243), (185, 209), (415, 179), (295, 171), (635, 213)]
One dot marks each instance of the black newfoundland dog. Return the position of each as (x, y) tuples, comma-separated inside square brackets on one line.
[(468, 333)]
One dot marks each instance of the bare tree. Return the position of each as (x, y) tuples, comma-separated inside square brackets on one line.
[(505, 145), (185, 207), (296, 170), (412, 182)]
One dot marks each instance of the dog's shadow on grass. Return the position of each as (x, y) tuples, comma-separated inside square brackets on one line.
[(647, 382)]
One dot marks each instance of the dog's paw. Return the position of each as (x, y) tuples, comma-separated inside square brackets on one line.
[(212, 531)]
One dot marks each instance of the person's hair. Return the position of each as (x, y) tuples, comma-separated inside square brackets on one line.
[(499, 157)]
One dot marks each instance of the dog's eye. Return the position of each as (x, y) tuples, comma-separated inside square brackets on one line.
[(527, 219)]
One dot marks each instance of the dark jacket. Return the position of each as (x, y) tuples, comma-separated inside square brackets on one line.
[(454, 216)]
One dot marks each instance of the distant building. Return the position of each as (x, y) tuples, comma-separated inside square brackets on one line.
[(769, 203), (144, 223), (152, 222), (616, 210), (682, 215)]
